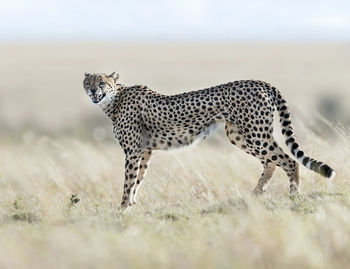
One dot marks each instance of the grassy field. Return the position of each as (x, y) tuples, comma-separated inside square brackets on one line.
[(195, 209), (61, 175)]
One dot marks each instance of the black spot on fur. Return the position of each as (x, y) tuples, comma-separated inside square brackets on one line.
[(286, 123), (290, 140), (300, 154), (289, 132), (306, 160)]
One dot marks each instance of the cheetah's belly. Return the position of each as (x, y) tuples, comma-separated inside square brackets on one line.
[(177, 138)]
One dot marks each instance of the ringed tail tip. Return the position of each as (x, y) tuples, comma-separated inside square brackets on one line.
[(332, 175)]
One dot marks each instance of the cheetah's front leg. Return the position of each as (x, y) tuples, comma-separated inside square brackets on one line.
[(142, 173), (132, 163)]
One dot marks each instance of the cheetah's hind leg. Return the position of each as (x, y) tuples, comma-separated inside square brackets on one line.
[(264, 180), (275, 156), (236, 137)]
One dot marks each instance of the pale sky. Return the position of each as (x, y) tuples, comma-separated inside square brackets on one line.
[(151, 20)]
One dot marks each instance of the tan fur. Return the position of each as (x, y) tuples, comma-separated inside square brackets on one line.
[(144, 120)]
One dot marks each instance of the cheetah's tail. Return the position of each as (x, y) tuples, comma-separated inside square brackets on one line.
[(287, 130)]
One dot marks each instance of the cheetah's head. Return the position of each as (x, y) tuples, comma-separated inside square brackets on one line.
[(101, 88)]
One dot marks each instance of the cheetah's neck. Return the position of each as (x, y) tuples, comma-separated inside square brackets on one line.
[(110, 101)]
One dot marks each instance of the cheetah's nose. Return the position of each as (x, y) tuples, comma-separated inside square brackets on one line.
[(93, 91)]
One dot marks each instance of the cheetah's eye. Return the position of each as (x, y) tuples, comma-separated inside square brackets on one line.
[(102, 84), (87, 86)]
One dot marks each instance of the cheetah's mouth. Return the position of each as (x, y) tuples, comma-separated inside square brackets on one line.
[(97, 98)]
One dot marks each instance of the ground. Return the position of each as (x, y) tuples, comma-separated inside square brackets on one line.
[(59, 200)]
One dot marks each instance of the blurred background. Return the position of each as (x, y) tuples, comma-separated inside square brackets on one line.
[(301, 47)]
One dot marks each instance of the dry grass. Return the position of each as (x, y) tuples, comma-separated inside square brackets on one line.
[(60, 187), (194, 211)]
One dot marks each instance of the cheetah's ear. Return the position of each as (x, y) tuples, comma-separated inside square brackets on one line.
[(115, 76), (87, 75)]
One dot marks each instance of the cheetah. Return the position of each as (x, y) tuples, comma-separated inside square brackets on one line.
[(144, 120)]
